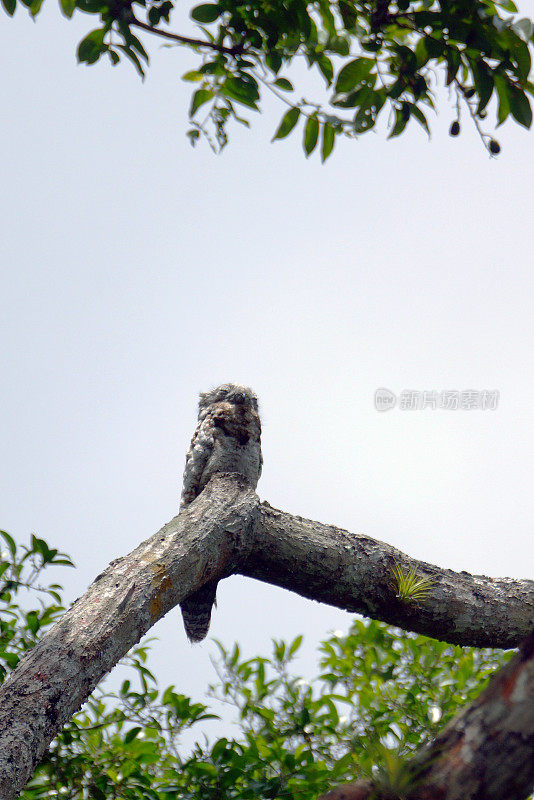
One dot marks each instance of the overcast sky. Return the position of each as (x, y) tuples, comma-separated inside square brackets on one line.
[(137, 271)]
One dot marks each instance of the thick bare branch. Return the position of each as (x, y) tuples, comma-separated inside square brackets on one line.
[(353, 572), (224, 531)]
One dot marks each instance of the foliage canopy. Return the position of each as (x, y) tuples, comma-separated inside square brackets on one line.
[(374, 58)]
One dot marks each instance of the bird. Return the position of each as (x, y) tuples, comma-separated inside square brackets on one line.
[(227, 439)]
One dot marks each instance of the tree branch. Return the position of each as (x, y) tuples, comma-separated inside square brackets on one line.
[(224, 531), (236, 50), (353, 572)]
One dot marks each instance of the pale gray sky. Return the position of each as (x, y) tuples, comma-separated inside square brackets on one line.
[(137, 271)]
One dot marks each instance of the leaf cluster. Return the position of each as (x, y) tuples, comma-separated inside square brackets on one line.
[(374, 58), (28, 607), (378, 696), (409, 586)]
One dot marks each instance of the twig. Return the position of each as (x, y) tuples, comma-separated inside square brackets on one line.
[(236, 50)]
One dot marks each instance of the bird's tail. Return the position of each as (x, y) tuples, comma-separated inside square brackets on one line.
[(196, 611)]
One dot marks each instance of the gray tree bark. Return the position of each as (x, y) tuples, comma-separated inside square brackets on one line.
[(353, 572), (226, 530)]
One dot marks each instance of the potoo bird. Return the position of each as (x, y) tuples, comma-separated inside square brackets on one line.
[(227, 439)]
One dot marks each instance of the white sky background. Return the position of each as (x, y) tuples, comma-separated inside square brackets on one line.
[(137, 271)]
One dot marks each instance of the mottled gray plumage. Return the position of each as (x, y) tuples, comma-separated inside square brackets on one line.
[(227, 439)]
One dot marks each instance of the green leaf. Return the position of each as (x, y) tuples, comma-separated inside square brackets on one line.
[(453, 63), (35, 7), (200, 97), (421, 53), (339, 45), (274, 62), (11, 659), (91, 48), (484, 83), (131, 734), (67, 7), (352, 74), (504, 101), (327, 18), (133, 42), (509, 6), (10, 6), (434, 45), (284, 84), (129, 53), (348, 13), (65, 561), (10, 542), (40, 546), (32, 620), (326, 67), (401, 120), (205, 768), (371, 104), (213, 68), (206, 12), (311, 134), (420, 117), (521, 54), (193, 76), (157, 13), (520, 106), (193, 136), (243, 89), (289, 120)]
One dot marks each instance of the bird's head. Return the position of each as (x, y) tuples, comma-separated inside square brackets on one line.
[(230, 393)]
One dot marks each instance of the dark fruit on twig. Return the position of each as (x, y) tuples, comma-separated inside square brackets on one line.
[(494, 147), (454, 130)]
